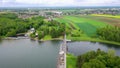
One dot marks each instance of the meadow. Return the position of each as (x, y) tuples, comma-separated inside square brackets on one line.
[(87, 25), (71, 61)]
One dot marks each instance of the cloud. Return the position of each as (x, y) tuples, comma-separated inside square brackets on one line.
[(98, 2), (59, 3), (47, 2)]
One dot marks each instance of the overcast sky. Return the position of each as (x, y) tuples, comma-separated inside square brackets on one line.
[(52, 3)]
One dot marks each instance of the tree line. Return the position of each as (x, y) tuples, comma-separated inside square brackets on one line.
[(110, 33), (98, 59), (11, 25), (52, 28)]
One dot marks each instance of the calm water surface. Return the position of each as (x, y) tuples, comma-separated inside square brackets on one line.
[(78, 48), (25, 53)]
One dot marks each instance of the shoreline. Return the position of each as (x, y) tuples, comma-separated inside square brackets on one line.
[(14, 38), (42, 40), (60, 39), (94, 40)]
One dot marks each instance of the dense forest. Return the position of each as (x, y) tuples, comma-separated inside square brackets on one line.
[(98, 59), (110, 33), (11, 25), (52, 28)]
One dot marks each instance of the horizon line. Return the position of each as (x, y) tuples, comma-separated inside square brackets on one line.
[(54, 6)]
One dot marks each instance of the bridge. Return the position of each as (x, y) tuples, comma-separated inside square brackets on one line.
[(62, 54)]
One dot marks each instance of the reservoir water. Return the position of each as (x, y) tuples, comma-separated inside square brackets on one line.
[(25, 53), (78, 48)]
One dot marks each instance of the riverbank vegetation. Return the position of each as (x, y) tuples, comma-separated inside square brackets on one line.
[(95, 59), (93, 40)]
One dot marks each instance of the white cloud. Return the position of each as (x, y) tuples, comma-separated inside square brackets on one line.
[(69, 2), (64, 2), (98, 2), (46, 1), (5, 1)]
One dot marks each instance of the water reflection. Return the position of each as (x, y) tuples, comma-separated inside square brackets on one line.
[(110, 45), (78, 48), (26, 53)]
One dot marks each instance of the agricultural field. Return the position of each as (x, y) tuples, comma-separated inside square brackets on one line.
[(105, 15), (114, 20), (87, 25)]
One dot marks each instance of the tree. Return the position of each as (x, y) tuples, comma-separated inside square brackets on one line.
[(110, 33), (76, 33), (11, 33), (94, 63), (32, 35), (0, 37), (111, 53), (98, 59), (40, 35)]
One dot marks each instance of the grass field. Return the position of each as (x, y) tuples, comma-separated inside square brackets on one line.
[(113, 20), (87, 25), (68, 23), (71, 61)]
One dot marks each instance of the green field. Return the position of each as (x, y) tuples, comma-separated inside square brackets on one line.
[(71, 61), (87, 25)]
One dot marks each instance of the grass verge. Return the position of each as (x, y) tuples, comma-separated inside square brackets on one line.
[(71, 61), (93, 40), (48, 38)]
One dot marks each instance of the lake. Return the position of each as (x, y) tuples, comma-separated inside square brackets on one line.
[(25, 53), (78, 48)]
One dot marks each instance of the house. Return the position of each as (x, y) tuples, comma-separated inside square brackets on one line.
[(32, 30)]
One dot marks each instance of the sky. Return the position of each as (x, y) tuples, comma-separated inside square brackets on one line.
[(59, 3)]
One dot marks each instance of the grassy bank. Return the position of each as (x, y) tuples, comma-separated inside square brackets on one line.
[(93, 40), (71, 61), (48, 38)]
